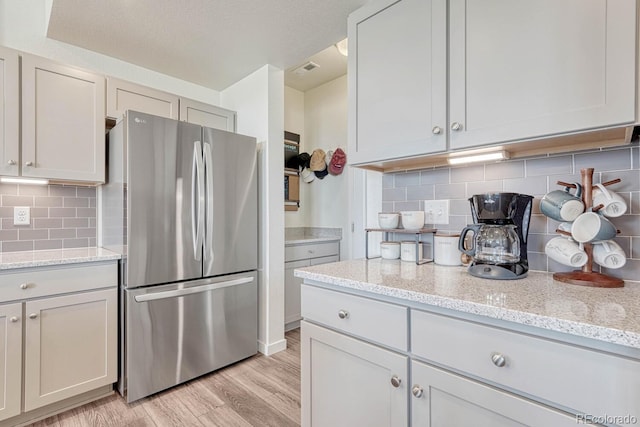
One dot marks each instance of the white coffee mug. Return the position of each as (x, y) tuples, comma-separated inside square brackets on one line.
[(609, 254), (613, 204), (566, 252), (591, 227)]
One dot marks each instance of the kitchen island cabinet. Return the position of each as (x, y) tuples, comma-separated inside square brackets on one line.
[(59, 334), (63, 126), (430, 76), (481, 352)]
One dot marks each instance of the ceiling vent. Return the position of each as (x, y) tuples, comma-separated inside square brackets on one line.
[(309, 66)]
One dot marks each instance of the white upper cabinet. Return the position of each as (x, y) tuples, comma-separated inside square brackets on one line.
[(9, 112), (426, 76), (207, 115), (397, 79), (63, 121), (123, 95), (521, 69)]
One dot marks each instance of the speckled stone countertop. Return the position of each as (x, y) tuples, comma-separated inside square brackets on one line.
[(304, 235), (28, 259), (609, 315)]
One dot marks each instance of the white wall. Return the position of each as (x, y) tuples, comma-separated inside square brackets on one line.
[(325, 113), (323, 203), (23, 27), (259, 101)]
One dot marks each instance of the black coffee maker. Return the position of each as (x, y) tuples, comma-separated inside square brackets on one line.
[(499, 243)]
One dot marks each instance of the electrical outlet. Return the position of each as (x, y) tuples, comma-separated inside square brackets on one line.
[(436, 211), (21, 215)]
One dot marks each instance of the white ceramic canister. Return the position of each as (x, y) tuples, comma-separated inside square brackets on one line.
[(445, 249), (408, 250), (390, 250)]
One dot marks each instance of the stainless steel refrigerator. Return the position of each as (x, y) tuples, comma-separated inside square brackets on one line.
[(181, 206)]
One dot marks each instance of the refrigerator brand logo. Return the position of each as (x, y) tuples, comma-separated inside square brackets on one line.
[(138, 120)]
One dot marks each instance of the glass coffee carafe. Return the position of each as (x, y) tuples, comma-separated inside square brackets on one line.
[(493, 244), (500, 230)]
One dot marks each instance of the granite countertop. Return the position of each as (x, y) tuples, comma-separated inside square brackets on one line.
[(27, 259), (609, 315), (304, 235)]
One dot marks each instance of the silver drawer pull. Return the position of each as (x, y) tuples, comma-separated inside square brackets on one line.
[(343, 314), (498, 360), (24, 285), (13, 319), (33, 315), (417, 391), (395, 381)]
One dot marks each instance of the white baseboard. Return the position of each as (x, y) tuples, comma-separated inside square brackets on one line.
[(273, 348)]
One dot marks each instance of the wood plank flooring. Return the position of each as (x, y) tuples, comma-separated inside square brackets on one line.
[(259, 391)]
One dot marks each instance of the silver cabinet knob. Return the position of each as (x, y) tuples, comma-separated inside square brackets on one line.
[(13, 319), (395, 381), (456, 126), (417, 391), (343, 314), (437, 130), (33, 315), (11, 162), (498, 360), (28, 163), (24, 285)]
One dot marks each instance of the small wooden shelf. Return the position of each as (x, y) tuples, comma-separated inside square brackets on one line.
[(416, 232)]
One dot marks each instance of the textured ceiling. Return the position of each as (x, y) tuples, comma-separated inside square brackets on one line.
[(213, 43)]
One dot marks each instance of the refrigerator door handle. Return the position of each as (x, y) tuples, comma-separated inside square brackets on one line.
[(197, 200), (194, 290), (208, 233)]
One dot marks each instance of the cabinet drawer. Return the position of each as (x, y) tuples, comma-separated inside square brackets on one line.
[(316, 250), (561, 373), (46, 281), (376, 321)]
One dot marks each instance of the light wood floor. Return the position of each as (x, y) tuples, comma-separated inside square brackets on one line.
[(259, 391)]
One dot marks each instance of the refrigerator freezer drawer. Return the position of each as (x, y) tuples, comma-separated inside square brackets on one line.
[(180, 331)]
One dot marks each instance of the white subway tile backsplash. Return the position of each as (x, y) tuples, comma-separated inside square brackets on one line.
[(407, 179), (535, 176)]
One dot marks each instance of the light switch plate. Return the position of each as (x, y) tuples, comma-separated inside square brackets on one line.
[(21, 215), (436, 211)]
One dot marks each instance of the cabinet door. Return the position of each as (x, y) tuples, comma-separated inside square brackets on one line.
[(123, 96), (63, 122), (397, 79), (292, 291), (70, 346), (207, 115), (443, 399), (10, 359), (9, 112), (522, 69), (348, 382)]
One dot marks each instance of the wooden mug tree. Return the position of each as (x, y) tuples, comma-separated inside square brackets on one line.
[(586, 276)]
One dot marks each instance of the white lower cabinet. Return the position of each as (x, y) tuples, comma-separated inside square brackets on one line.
[(69, 346), (299, 256), (356, 353), (58, 338), (10, 359), (348, 382), (444, 399)]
